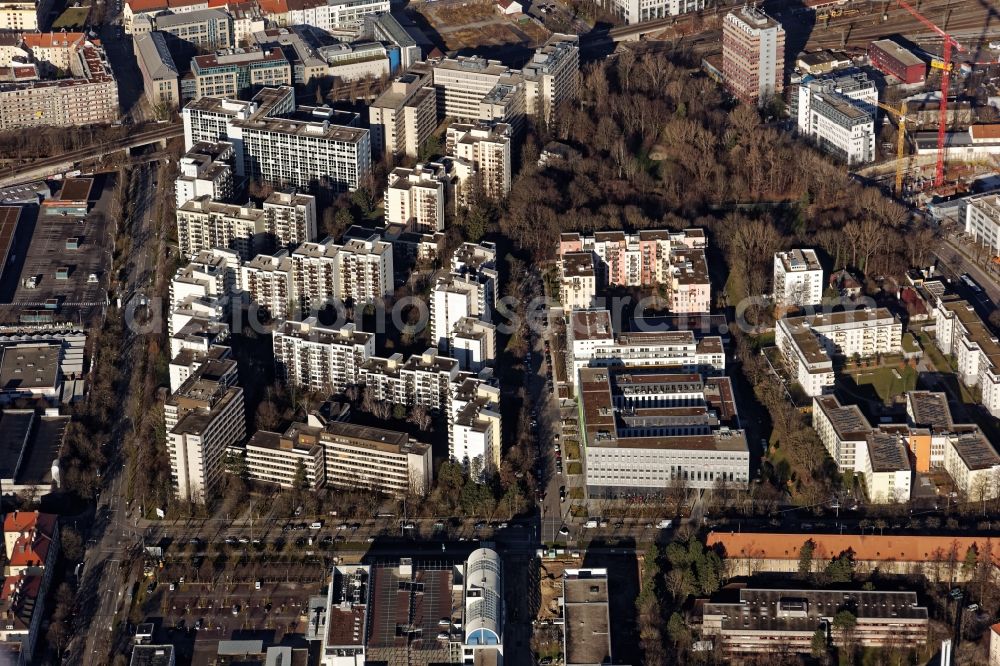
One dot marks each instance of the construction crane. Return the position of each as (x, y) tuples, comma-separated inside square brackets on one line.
[(900, 114), (945, 66)]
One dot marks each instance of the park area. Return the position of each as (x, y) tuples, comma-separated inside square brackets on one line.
[(474, 24)]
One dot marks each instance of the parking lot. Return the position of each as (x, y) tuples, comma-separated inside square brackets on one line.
[(66, 277)]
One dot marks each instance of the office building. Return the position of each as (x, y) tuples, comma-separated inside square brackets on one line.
[(239, 73), (798, 279), (202, 418), (552, 76), (160, 76), (809, 342), (150, 8), (204, 171), (313, 57), (318, 358), (644, 430), (482, 153), (90, 97), (385, 28), (838, 113), (403, 117), (760, 621), (753, 55), (334, 14), (982, 220), (277, 459), (636, 11), (206, 29), (890, 58), (465, 82), (416, 197), (365, 458), (483, 598)]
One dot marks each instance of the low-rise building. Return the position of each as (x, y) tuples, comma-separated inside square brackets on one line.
[(586, 617), (234, 74), (160, 76), (758, 621), (959, 331), (578, 283), (634, 11), (798, 279), (889, 57)]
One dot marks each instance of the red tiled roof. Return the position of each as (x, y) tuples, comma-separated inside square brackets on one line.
[(52, 39), (869, 547), (273, 6), (980, 132)]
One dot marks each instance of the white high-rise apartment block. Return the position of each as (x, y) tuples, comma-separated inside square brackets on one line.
[(474, 433), (478, 261), (753, 55), (637, 11), (212, 273), (315, 274), (291, 217), (205, 170), (959, 331), (416, 197), (203, 224), (798, 279), (473, 343), (403, 117), (274, 148), (552, 76), (482, 152), (366, 270), (456, 297), (824, 115), (320, 358), (203, 417), (268, 282), (335, 14), (982, 220)]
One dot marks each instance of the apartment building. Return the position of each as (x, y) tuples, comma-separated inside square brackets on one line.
[(319, 358), (423, 379), (982, 220), (24, 15), (761, 621), (416, 197), (274, 148), (207, 29), (808, 342), (212, 276), (475, 424), (366, 270), (552, 76), (276, 458), (637, 11), (645, 429), (89, 98), (267, 280), (578, 281), (592, 342), (241, 72), (959, 331), (202, 418), (649, 258), (204, 224), (753, 55), (54, 51), (838, 113), (331, 15), (291, 217), (842, 429), (478, 261), (885, 465), (187, 362), (798, 279), (205, 170), (473, 343), (160, 76), (403, 117), (482, 153), (456, 297), (974, 465), (315, 275)]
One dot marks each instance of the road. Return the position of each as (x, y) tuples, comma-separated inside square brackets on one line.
[(105, 579)]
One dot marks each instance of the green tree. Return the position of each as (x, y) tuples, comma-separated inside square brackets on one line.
[(841, 569), (971, 559), (677, 630), (300, 481), (399, 411), (818, 645), (806, 557)]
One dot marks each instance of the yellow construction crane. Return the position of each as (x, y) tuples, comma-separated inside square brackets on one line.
[(900, 115)]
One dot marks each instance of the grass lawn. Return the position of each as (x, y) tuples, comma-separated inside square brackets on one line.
[(571, 449), (74, 17), (574, 468), (888, 382), (576, 493)]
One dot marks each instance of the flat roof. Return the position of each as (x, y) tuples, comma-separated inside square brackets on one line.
[(152, 655), (29, 366), (586, 617), (15, 430), (76, 189), (904, 56)]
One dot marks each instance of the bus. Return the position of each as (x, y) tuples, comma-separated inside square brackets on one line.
[(971, 284)]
